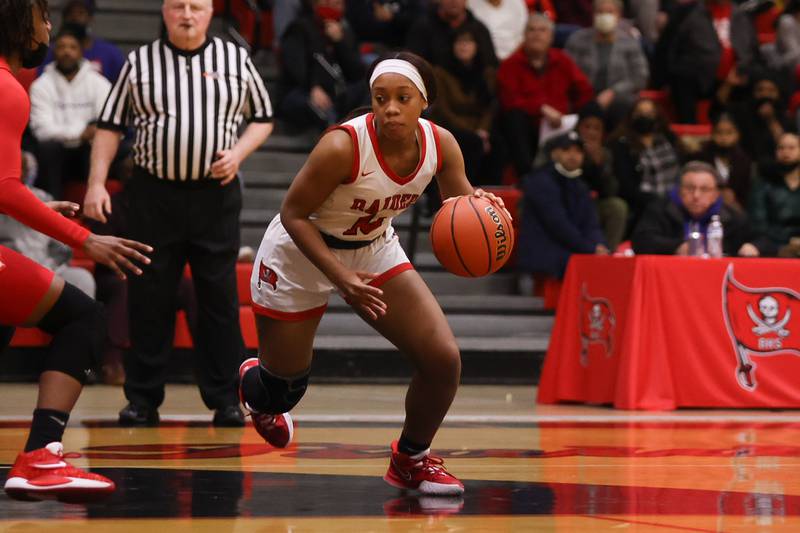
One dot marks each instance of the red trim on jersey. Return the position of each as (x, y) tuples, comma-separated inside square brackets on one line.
[(438, 147), (356, 156), (289, 317), (389, 274), (373, 137)]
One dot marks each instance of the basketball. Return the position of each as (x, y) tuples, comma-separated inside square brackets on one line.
[(471, 236)]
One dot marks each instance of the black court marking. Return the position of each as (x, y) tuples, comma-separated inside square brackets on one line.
[(485, 236), (167, 493), (453, 237)]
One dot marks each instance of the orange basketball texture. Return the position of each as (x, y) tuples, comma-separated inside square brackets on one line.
[(471, 236)]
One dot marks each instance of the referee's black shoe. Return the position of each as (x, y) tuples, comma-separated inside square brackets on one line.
[(229, 417), (138, 415)]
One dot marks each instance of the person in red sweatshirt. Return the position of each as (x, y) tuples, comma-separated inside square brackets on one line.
[(537, 83), (31, 295)]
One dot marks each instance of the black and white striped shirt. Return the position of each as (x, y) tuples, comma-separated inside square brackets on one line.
[(185, 106)]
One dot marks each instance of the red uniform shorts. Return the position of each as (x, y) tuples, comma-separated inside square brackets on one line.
[(23, 283)]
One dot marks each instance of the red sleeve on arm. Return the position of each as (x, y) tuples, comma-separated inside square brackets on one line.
[(20, 203), (15, 199)]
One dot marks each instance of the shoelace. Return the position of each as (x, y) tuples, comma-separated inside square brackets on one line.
[(433, 464)]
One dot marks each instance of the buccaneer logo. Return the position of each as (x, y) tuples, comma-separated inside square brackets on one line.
[(268, 276), (759, 321), (597, 324)]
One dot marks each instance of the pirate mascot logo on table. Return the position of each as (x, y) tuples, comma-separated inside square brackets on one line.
[(760, 323)]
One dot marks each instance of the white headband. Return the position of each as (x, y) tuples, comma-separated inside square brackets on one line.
[(402, 67)]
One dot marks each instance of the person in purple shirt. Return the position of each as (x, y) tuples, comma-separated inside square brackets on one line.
[(105, 56)]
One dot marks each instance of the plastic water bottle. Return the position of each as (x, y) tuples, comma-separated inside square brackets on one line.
[(695, 240), (714, 235)]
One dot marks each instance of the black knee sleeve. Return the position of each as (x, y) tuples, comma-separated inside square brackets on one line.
[(268, 393), (77, 324)]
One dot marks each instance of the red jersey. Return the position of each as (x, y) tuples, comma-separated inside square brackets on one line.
[(15, 199)]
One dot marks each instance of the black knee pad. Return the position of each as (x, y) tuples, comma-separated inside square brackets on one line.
[(77, 324), (267, 393)]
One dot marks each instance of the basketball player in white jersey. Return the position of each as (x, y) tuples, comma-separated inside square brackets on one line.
[(334, 233)]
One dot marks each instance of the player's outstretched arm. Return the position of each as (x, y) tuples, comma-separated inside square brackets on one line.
[(328, 166)]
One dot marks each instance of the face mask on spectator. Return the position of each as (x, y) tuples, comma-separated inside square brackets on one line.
[(568, 173), (32, 58), (786, 168), (644, 124), (762, 101), (721, 150), (329, 13), (605, 22)]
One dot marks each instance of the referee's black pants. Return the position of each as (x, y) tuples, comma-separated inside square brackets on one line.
[(196, 223)]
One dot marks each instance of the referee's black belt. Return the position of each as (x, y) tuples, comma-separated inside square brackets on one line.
[(202, 183), (339, 244)]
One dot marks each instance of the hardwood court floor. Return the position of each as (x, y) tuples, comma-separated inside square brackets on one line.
[(525, 467)]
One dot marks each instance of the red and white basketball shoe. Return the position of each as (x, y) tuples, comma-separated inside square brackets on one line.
[(277, 430), (423, 472), (44, 474)]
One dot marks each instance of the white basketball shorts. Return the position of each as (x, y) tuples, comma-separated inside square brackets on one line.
[(285, 285)]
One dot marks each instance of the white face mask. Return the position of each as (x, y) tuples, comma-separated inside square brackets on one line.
[(605, 22), (568, 173)]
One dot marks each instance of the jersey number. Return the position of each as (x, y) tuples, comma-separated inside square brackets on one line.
[(369, 223)]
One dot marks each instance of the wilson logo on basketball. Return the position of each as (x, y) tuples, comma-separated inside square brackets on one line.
[(501, 248)]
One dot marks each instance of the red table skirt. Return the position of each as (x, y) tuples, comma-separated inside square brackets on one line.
[(656, 332)]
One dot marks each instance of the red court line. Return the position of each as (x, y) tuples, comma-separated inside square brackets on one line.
[(643, 523)]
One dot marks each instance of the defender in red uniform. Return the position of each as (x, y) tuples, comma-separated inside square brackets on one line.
[(31, 295)]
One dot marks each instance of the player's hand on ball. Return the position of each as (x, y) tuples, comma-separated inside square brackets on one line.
[(363, 297), (480, 193), (225, 166)]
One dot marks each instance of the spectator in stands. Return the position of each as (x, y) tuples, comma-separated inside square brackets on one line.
[(730, 160), (65, 103), (558, 216), (713, 38), (761, 118), (645, 16), (577, 13), (464, 102), (599, 176), (537, 83), (775, 205), (104, 56), (432, 35), (646, 160), (384, 22), (322, 73), (787, 41), (665, 224), (505, 20), (612, 60), (283, 14)]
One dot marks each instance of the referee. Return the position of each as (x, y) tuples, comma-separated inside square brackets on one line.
[(184, 97)]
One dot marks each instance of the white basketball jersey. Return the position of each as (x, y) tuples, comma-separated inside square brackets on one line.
[(362, 208)]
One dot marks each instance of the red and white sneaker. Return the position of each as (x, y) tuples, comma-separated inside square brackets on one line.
[(277, 430), (43, 474), (423, 472)]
